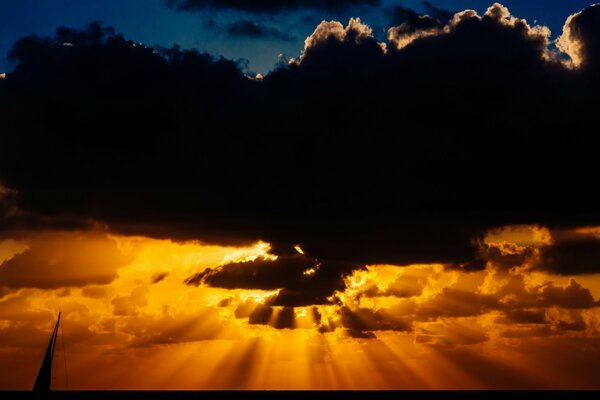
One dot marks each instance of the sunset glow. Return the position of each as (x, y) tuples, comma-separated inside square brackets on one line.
[(299, 195), (430, 326)]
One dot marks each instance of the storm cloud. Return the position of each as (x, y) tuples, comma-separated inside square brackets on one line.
[(302, 281), (362, 152)]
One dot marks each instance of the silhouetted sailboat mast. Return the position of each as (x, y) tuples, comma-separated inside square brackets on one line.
[(44, 377)]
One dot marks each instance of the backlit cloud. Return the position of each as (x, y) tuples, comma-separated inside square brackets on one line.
[(399, 203), (395, 315), (264, 6), (579, 38)]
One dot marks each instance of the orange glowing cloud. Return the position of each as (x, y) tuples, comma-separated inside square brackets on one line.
[(395, 327)]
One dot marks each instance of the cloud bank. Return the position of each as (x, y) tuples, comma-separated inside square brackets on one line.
[(402, 152)]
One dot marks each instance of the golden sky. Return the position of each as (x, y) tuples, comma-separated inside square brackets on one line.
[(131, 322), (123, 165)]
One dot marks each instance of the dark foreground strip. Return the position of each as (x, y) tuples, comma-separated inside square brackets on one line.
[(306, 395)]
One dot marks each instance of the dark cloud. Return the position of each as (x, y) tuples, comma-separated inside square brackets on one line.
[(362, 153), (442, 15), (516, 294), (225, 302), (360, 334), (573, 321), (537, 331), (285, 318), (518, 302), (506, 255), (572, 296), (245, 28), (301, 280), (553, 309), (260, 314), (408, 25), (570, 252), (244, 309), (411, 20), (577, 254), (523, 316), (159, 276), (264, 6)]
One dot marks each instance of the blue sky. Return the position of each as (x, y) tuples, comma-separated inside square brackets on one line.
[(151, 22)]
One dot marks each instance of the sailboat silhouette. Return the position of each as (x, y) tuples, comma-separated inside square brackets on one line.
[(43, 380)]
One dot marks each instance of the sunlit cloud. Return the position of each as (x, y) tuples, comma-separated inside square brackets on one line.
[(235, 230), (405, 317)]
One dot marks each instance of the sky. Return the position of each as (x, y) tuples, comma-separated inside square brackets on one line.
[(152, 23), (406, 198)]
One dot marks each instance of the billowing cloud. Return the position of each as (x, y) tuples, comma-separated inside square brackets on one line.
[(448, 298), (497, 22), (421, 320), (572, 296), (408, 25), (362, 152), (264, 6), (580, 38), (560, 251), (333, 45)]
